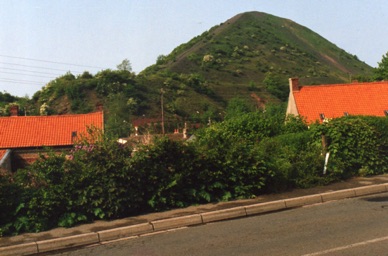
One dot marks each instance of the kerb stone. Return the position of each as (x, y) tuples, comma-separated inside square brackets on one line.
[(67, 242), (361, 191), (265, 207), (337, 195), (177, 222), (224, 214), (122, 232), (304, 200), (20, 249)]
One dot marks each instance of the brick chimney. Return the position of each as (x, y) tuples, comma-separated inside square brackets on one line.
[(99, 107), (14, 110), (294, 84)]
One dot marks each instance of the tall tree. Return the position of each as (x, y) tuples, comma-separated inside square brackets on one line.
[(381, 72), (276, 86), (125, 65), (237, 107), (117, 123)]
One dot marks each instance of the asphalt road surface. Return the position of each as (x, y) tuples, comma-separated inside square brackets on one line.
[(357, 226)]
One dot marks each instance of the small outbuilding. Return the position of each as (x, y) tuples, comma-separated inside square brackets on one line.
[(23, 138)]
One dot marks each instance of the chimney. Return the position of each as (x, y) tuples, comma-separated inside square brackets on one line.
[(99, 107), (73, 136), (294, 84), (14, 110)]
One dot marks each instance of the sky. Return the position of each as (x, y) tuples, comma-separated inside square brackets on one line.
[(43, 39)]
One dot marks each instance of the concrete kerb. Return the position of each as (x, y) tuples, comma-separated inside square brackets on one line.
[(189, 220), (231, 213), (67, 242), (304, 200), (265, 207), (183, 221), (122, 232), (362, 191), (337, 195), (20, 249)]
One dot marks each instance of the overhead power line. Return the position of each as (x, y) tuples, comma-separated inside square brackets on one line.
[(48, 61), (21, 81), (36, 67), (20, 74), (30, 71)]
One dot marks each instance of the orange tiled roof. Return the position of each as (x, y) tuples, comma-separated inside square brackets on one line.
[(38, 131), (334, 100)]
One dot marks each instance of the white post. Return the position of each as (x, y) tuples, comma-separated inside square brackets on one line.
[(326, 161)]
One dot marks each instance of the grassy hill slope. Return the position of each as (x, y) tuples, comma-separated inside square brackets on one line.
[(235, 57)]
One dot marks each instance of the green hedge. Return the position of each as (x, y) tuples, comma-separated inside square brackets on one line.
[(242, 157)]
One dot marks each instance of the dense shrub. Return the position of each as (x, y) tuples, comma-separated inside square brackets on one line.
[(246, 155), (10, 199), (355, 145), (170, 173), (38, 193), (292, 160), (234, 170)]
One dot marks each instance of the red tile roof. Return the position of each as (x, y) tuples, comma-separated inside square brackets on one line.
[(336, 99), (38, 131)]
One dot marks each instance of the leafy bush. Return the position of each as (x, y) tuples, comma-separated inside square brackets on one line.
[(292, 160), (40, 195), (241, 157), (10, 198), (234, 170), (170, 173), (354, 147), (103, 186)]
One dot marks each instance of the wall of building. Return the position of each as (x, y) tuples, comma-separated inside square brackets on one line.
[(5, 162), (21, 158)]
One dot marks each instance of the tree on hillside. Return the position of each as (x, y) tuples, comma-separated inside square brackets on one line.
[(161, 59), (5, 97), (237, 107), (125, 65), (381, 72), (276, 86), (114, 81), (118, 116)]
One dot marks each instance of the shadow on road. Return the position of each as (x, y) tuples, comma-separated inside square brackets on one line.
[(377, 199)]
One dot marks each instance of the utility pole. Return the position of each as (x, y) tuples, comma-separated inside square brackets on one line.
[(161, 102)]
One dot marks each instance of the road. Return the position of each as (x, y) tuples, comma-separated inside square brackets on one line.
[(357, 226)]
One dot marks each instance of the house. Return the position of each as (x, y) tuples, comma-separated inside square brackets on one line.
[(317, 103), (23, 138)]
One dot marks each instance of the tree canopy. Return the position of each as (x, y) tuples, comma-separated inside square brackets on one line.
[(381, 72), (125, 65)]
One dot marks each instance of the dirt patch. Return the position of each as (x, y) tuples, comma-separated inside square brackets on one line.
[(335, 63)]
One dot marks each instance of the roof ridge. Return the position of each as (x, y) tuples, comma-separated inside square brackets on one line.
[(348, 84), (55, 116)]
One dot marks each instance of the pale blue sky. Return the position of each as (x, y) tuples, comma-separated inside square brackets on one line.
[(98, 34)]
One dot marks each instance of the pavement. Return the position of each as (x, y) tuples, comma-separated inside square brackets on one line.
[(101, 232)]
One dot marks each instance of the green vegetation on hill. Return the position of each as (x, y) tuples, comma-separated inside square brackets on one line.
[(250, 46)]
